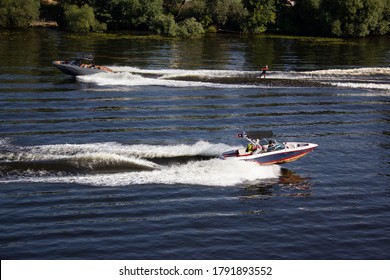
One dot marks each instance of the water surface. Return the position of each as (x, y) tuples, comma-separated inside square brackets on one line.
[(125, 165)]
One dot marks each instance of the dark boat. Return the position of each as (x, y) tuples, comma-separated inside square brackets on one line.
[(264, 149), (80, 66)]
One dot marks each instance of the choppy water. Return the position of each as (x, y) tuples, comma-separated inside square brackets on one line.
[(125, 165)]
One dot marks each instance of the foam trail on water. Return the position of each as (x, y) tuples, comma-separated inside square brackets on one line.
[(102, 156), (52, 164), (171, 73), (126, 76), (362, 85), (364, 71), (214, 172), (61, 151), (200, 148), (130, 80), (101, 160)]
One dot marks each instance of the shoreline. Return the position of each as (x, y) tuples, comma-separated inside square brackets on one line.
[(44, 23)]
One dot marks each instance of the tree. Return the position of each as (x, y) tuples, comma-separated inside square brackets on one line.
[(227, 12), (357, 18), (383, 27), (82, 19), (341, 18), (149, 11), (197, 9), (261, 14), (174, 7), (122, 14), (18, 13), (163, 24), (189, 28)]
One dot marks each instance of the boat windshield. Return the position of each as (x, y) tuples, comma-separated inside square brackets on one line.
[(77, 62), (81, 61), (272, 144)]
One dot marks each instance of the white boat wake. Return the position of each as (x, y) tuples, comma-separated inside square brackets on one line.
[(126, 76), (115, 164)]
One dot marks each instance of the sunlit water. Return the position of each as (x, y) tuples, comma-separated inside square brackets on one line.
[(126, 165)]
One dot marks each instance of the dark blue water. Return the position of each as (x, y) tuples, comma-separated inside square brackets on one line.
[(125, 165)]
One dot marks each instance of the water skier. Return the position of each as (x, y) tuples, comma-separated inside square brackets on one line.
[(264, 69)]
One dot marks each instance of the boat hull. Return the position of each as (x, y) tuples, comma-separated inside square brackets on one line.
[(75, 70), (291, 152)]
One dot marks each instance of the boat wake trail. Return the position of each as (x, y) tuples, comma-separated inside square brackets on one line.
[(359, 78), (134, 77), (115, 164), (365, 78)]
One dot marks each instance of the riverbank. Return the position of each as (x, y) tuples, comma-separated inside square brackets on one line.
[(188, 19), (44, 23)]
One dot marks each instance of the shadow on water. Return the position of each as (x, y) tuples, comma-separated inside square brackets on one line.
[(288, 184)]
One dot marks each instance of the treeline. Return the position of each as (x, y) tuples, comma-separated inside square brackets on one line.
[(341, 18)]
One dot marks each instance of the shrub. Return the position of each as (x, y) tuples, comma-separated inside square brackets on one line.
[(18, 13), (189, 28), (163, 25), (82, 19)]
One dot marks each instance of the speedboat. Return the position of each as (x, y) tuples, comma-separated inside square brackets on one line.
[(80, 66), (264, 149)]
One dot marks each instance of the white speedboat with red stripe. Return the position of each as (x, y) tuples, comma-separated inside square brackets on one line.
[(264, 149)]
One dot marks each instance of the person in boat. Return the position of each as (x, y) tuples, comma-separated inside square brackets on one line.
[(249, 148), (271, 145), (274, 145), (103, 68), (264, 73)]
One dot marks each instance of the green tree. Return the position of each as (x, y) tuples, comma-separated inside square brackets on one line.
[(150, 10), (345, 18), (82, 19), (383, 27), (227, 12), (163, 24), (261, 14), (356, 18), (174, 7), (189, 28), (122, 14), (18, 13), (197, 9)]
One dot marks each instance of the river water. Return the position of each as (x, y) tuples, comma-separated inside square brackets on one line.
[(125, 165)]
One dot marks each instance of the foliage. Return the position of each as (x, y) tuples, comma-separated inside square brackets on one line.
[(261, 14), (197, 9), (18, 13), (121, 14), (163, 25), (357, 18), (151, 10), (341, 18), (338, 18), (190, 27), (173, 7), (82, 19), (227, 11)]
